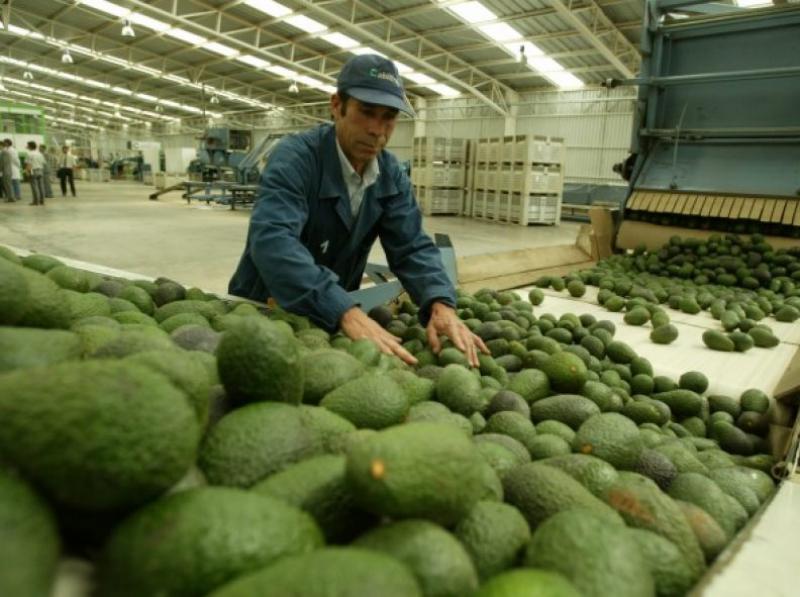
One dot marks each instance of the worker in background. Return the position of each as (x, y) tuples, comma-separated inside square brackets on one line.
[(324, 197), (48, 171), (12, 171), (66, 171), (34, 165), (5, 173)]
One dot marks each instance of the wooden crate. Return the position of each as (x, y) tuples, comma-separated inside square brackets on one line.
[(435, 201), (439, 149), (499, 206), (439, 174), (533, 149)]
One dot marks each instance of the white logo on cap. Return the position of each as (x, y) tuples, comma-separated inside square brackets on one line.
[(374, 72)]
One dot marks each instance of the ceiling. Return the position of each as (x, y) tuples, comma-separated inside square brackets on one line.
[(195, 58)]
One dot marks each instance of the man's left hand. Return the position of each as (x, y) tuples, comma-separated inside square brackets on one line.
[(445, 321)]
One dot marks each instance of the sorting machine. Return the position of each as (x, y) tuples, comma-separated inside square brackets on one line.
[(226, 169), (716, 148), (716, 142)]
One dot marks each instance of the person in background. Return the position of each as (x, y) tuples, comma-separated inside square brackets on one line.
[(48, 172), (324, 197), (66, 171), (15, 170), (34, 164), (5, 173)]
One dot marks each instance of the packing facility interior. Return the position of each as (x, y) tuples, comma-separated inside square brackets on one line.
[(548, 134)]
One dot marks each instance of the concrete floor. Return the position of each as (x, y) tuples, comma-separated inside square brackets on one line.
[(115, 225)]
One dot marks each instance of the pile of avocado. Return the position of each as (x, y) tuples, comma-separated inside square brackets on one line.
[(190, 446), (739, 281)]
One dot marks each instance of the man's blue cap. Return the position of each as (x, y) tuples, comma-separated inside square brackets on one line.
[(374, 79)]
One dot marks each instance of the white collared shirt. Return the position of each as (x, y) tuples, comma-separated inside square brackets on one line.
[(66, 160), (16, 166), (35, 160), (357, 184)]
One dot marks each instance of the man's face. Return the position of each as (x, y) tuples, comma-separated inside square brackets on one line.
[(363, 130)]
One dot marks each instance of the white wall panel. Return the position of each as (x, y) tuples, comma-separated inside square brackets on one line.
[(595, 125)]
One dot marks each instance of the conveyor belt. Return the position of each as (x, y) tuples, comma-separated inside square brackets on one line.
[(777, 216)]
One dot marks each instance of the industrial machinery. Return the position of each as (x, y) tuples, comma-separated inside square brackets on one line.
[(223, 172), (717, 143), (716, 148), (220, 152), (132, 166)]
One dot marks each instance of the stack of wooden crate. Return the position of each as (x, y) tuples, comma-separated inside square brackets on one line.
[(438, 173), (518, 179)]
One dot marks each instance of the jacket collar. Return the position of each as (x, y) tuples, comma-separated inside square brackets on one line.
[(333, 184)]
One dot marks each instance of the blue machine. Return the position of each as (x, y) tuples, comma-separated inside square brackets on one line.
[(220, 152), (227, 167), (716, 144)]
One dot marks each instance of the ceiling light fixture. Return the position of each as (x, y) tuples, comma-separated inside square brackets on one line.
[(340, 40), (214, 99), (66, 57), (473, 12), (127, 29), (28, 75), (306, 24), (159, 108), (148, 22), (293, 88), (273, 9)]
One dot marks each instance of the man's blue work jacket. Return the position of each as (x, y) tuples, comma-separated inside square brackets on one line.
[(306, 250)]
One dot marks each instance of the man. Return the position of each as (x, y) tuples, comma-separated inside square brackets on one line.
[(12, 171), (48, 171), (35, 164), (66, 165), (5, 172), (324, 197)]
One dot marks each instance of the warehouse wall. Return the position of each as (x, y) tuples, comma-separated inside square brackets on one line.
[(596, 125)]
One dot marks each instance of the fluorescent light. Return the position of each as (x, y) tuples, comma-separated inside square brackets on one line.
[(543, 64), (145, 21), (444, 90), (106, 7), (753, 3), (154, 72), (253, 61), (146, 97), (366, 50), (186, 36), (500, 31), (81, 50), (122, 90), (222, 49), (565, 80), (473, 12), (282, 72), (328, 89), (98, 84), (315, 83), (304, 23), (341, 40), (177, 79), (402, 68), (420, 78), (273, 9), (24, 32)]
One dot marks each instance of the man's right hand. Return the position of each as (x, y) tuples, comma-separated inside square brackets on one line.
[(357, 325)]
